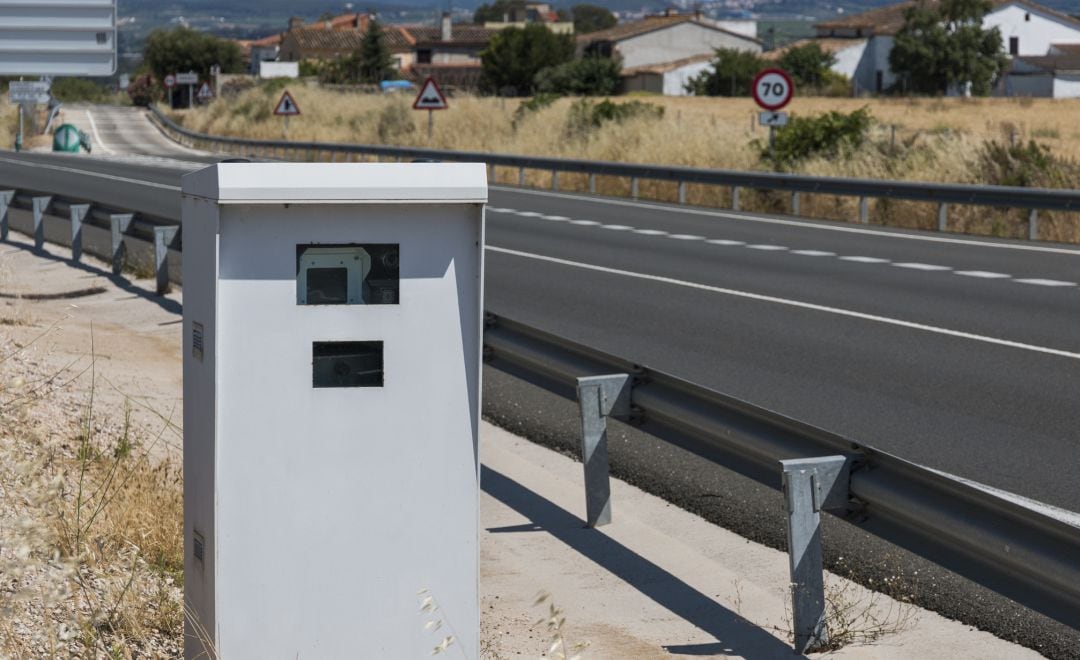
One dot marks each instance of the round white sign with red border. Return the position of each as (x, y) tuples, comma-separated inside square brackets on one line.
[(772, 89), (170, 81)]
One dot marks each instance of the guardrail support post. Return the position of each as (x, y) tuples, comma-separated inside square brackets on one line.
[(491, 174), (592, 184), (163, 236), (78, 214), (6, 197), (682, 193), (40, 205), (734, 198), (864, 210), (599, 397), (1033, 225), (118, 226), (521, 177), (942, 216), (554, 179), (810, 486), (795, 203), (634, 187)]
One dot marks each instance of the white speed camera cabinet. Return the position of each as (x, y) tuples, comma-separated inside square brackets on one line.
[(332, 346)]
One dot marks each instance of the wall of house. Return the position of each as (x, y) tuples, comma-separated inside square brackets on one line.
[(675, 80), (874, 58), (677, 42), (1034, 29), (847, 60), (1038, 85), (1066, 86), (643, 82)]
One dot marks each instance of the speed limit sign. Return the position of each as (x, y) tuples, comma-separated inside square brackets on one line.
[(772, 89), (170, 81)]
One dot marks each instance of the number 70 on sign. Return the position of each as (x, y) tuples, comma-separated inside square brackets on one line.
[(772, 89)]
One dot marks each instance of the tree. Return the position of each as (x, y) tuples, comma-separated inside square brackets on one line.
[(943, 47), (731, 74), (808, 65), (590, 76), (183, 49), (515, 55), (497, 11), (369, 63), (376, 63), (591, 18)]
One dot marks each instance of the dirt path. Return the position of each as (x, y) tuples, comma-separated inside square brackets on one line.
[(64, 316)]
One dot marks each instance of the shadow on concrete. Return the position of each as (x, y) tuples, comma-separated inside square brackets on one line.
[(167, 304), (734, 634)]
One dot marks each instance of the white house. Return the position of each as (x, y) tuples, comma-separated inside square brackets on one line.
[(663, 40), (1027, 30), (668, 79)]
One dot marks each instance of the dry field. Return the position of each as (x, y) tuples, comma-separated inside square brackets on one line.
[(937, 140)]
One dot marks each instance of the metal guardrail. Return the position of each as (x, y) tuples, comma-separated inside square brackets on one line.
[(1015, 550), (942, 194)]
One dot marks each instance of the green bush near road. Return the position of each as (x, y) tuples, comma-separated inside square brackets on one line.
[(829, 134)]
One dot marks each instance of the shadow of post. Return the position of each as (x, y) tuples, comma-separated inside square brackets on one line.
[(734, 634)]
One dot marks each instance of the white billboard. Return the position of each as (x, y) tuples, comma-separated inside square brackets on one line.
[(58, 37)]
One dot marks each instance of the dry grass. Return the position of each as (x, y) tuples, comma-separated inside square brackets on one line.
[(933, 140), (90, 520), (9, 122)]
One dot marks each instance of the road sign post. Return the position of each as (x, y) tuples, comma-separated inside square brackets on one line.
[(772, 89), (286, 107), (206, 94), (170, 84), (431, 99), (190, 79)]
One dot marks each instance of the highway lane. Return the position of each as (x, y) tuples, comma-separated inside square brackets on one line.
[(954, 352)]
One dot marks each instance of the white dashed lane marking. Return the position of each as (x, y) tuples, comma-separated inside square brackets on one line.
[(865, 260), (984, 274), (814, 253), (917, 266), (1040, 282), (766, 247)]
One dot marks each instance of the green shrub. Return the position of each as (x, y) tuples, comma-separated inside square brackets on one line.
[(588, 76), (831, 134), (80, 90), (586, 116), (529, 106), (731, 74)]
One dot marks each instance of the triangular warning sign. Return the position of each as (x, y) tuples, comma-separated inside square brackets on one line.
[(286, 106), (430, 97), (205, 92)]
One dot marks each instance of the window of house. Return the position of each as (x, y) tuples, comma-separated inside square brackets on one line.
[(1027, 17), (1014, 45), (423, 56)]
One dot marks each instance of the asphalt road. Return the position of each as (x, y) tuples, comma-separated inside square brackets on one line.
[(957, 353)]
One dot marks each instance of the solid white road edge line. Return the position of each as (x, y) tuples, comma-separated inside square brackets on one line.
[(97, 136), (792, 223), (792, 303), (98, 175)]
